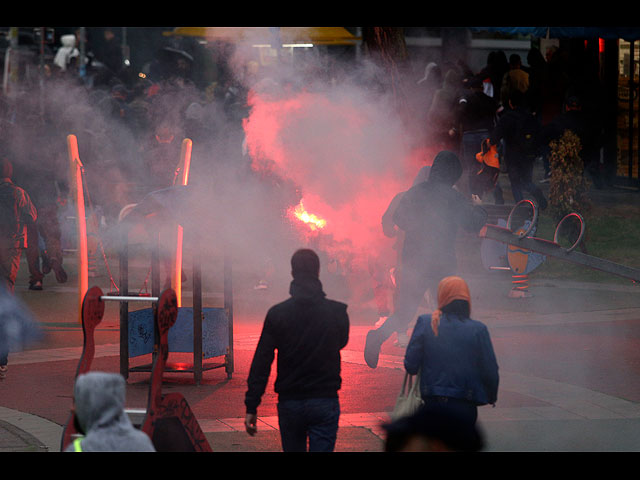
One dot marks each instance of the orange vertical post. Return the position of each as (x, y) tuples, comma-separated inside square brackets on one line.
[(181, 179), (77, 192)]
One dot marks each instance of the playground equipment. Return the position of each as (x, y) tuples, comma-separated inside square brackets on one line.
[(209, 335), (77, 194), (181, 177), (521, 239), (205, 332), (167, 419)]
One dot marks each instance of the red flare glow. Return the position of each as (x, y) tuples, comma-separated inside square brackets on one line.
[(311, 220), (349, 157)]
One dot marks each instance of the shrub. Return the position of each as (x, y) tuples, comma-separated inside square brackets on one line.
[(568, 186)]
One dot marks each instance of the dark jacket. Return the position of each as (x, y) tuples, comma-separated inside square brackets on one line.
[(308, 330), (458, 363), (431, 213), (513, 127), (477, 111), (388, 227), (442, 115)]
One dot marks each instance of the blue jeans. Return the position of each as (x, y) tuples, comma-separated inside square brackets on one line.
[(314, 418)]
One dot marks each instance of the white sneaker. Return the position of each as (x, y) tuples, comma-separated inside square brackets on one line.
[(402, 341), (261, 285)]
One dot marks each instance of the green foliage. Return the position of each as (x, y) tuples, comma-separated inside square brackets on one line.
[(568, 186)]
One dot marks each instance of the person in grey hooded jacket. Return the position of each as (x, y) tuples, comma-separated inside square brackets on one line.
[(99, 399)]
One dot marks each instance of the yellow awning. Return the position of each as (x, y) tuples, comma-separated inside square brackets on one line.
[(264, 35)]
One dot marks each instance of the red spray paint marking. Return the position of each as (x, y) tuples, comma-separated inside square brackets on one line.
[(348, 159)]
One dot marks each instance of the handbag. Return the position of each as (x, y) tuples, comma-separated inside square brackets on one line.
[(409, 399)]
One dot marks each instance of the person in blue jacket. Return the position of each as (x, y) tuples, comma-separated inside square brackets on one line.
[(453, 353)]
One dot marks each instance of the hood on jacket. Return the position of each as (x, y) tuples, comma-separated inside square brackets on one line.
[(306, 288), (422, 176), (68, 41), (432, 75), (99, 399), (305, 270), (446, 168)]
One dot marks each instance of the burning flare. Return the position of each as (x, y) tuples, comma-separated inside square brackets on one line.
[(314, 222)]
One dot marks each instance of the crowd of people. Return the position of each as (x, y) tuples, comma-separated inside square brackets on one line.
[(520, 108), (129, 131)]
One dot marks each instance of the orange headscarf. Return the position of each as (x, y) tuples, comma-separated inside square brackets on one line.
[(449, 289)]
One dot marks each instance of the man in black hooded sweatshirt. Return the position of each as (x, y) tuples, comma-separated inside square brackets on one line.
[(308, 330), (430, 214)]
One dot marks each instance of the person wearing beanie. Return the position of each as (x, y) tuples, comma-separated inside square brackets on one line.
[(453, 354), (429, 214), (308, 331)]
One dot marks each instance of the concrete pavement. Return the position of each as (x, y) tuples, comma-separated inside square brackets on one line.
[(572, 397), (569, 362)]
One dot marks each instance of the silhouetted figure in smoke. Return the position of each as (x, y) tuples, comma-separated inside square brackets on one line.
[(478, 113), (43, 175), (110, 56), (308, 330), (520, 130), (16, 211), (67, 51), (442, 119), (161, 157), (385, 271), (426, 88), (430, 214), (516, 79), (453, 354), (538, 79)]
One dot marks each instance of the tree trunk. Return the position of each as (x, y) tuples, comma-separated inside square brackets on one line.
[(386, 46)]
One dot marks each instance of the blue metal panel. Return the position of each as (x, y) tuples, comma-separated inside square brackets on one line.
[(140, 332), (215, 332)]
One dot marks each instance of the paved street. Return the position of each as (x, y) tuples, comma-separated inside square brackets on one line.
[(569, 362)]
